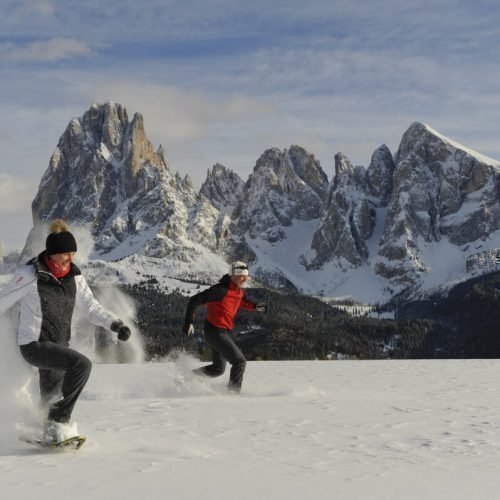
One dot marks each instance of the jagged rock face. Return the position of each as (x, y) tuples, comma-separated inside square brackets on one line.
[(475, 187), (96, 165), (350, 214), (439, 190), (308, 168), (284, 186), (337, 237), (379, 176), (223, 188), (106, 175)]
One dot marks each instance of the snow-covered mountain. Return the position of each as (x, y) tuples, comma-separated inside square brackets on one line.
[(106, 176), (349, 216), (405, 221), (441, 192)]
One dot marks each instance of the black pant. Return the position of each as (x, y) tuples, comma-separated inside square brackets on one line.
[(224, 349), (62, 370)]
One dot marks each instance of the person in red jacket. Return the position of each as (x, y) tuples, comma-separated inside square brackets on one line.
[(223, 301)]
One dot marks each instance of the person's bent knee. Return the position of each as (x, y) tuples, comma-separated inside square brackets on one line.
[(83, 365)]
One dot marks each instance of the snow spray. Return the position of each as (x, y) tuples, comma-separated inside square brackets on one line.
[(98, 344), (19, 393)]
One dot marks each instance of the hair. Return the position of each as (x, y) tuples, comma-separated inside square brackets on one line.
[(58, 226)]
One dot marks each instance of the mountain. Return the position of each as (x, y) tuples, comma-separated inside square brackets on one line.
[(441, 192), (349, 217), (407, 221), (223, 188), (285, 186), (106, 176)]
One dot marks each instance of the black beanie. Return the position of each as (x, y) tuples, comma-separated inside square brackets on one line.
[(63, 242)]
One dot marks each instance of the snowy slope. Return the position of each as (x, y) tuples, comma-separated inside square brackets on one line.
[(445, 263), (332, 281), (350, 430)]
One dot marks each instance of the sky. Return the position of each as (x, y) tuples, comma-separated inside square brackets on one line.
[(223, 80)]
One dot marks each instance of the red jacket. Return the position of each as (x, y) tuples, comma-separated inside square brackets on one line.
[(223, 302)]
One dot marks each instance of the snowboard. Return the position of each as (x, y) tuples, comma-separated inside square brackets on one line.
[(72, 443)]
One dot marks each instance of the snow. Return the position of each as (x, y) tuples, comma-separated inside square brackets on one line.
[(330, 281), (444, 261), (319, 429)]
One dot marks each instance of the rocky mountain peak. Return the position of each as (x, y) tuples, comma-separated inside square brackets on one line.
[(271, 158), (421, 140), (102, 163), (308, 168), (137, 152), (441, 189), (379, 176), (223, 188), (103, 124), (348, 219), (342, 164), (283, 187), (162, 153)]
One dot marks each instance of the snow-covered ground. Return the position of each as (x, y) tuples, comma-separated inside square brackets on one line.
[(317, 429)]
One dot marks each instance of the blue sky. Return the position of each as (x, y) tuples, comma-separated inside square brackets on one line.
[(221, 81)]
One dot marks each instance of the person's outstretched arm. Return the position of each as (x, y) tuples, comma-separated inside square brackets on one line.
[(96, 314)]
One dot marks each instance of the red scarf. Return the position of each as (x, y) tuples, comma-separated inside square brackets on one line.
[(54, 268)]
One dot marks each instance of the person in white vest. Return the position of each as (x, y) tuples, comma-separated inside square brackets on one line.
[(47, 289)]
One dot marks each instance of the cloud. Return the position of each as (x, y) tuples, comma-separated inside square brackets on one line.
[(15, 194), (197, 127), (53, 50), (15, 215), (182, 115), (18, 13)]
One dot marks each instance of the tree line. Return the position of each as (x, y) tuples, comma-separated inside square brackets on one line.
[(295, 327), (468, 317)]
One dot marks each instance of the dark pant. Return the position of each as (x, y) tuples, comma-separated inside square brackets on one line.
[(224, 349), (62, 370)]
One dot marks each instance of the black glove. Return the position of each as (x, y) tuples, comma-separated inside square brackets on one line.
[(122, 330), (261, 307)]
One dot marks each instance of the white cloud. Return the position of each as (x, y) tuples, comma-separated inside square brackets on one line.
[(15, 214), (197, 128), (15, 194), (181, 115), (51, 50)]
